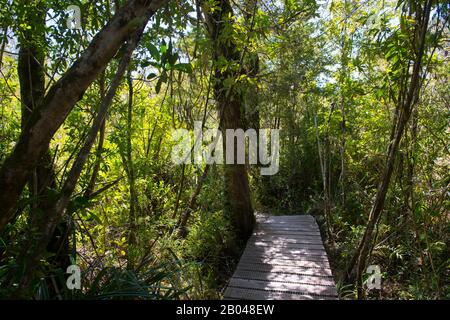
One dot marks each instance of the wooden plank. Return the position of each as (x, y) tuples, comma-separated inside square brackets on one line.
[(284, 230), (288, 223), (281, 244), (262, 255), (290, 248), (305, 224), (292, 230), (298, 225), (318, 262), (258, 254), (291, 253), (287, 229), (284, 237), (275, 239), (285, 221), (290, 242), (313, 237), (289, 234), (292, 217), (284, 287), (311, 269), (251, 294), (283, 277)]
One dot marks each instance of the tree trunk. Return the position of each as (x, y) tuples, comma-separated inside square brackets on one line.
[(230, 108), (31, 64), (325, 176), (101, 139), (182, 232), (404, 111), (129, 168), (32, 89), (252, 118)]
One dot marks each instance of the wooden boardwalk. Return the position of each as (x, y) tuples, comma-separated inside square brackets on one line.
[(284, 260)]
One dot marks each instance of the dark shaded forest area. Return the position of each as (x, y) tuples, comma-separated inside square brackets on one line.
[(99, 100)]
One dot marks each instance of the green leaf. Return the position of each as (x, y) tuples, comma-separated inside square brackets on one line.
[(153, 51), (183, 67), (155, 64), (172, 58), (163, 76), (145, 63), (158, 86), (163, 49), (151, 75), (92, 216)]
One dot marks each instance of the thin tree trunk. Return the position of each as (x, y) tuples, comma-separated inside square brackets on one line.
[(323, 171), (343, 165), (327, 181), (4, 41), (182, 231), (252, 118), (180, 190), (101, 139), (346, 49), (404, 111), (132, 219), (343, 133)]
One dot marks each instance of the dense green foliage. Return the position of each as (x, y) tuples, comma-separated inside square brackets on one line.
[(328, 74)]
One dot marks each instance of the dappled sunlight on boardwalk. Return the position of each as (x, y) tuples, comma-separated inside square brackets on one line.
[(284, 260)]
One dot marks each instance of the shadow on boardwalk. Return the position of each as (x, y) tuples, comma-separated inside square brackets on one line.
[(284, 260)]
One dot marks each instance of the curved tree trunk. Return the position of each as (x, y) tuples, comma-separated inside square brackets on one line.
[(50, 114)]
